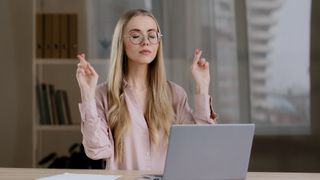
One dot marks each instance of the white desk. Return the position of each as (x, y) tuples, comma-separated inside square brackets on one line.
[(31, 174)]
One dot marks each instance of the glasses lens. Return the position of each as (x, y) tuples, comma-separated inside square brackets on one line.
[(138, 38), (153, 37)]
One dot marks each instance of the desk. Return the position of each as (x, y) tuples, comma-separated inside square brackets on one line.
[(31, 174)]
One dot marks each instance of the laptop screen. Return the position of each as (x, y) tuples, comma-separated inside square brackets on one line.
[(204, 152)]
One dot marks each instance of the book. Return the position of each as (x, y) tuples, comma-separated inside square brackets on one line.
[(63, 36), (73, 35), (66, 108), (39, 36), (53, 109), (56, 45), (43, 103), (40, 104), (48, 36), (59, 106)]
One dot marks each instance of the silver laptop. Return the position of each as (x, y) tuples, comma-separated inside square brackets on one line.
[(208, 152)]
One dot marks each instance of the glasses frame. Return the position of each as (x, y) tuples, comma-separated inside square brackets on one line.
[(159, 37)]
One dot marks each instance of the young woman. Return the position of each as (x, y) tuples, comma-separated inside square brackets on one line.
[(127, 119)]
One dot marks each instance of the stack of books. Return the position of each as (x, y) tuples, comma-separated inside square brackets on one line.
[(53, 105)]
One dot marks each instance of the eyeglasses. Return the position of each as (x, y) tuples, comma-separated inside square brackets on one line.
[(137, 37)]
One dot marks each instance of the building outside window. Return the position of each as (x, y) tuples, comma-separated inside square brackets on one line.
[(279, 65)]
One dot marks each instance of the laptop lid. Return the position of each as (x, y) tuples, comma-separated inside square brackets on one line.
[(208, 152)]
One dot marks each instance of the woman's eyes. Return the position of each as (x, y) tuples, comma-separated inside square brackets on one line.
[(136, 35), (152, 35)]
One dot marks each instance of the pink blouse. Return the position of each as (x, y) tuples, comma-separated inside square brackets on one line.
[(138, 152)]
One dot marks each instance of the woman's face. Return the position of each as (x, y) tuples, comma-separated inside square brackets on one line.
[(141, 39)]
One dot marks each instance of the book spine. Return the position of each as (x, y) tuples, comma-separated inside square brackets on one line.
[(39, 35), (73, 35), (66, 108), (55, 35), (48, 36), (45, 101), (53, 109), (59, 105), (40, 103), (64, 36)]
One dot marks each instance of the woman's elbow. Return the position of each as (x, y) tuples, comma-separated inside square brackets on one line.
[(96, 153)]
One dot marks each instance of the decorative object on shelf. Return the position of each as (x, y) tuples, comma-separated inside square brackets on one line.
[(76, 160)]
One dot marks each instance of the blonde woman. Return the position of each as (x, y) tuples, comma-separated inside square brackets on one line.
[(126, 120)]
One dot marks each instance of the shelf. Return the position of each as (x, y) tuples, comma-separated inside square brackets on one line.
[(68, 61), (75, 127)]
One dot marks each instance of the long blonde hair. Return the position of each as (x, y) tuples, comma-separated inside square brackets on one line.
[(159, 112)]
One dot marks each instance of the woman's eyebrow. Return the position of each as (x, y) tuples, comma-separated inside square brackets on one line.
[(138, 30), (152, 30), (134, 30)]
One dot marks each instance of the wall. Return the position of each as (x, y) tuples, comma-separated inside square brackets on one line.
[(15, 74)]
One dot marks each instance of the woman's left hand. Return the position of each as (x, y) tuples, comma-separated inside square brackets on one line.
[(200, 72)]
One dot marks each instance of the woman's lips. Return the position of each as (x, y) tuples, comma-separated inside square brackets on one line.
[(145, 52)]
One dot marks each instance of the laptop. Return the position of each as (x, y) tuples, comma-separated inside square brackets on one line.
[(208, 152)]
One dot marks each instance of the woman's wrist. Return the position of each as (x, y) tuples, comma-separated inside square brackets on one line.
[(202, 89), (87, 96)]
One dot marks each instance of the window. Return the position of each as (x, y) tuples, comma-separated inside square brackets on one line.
[(277, 87), (279, 65)]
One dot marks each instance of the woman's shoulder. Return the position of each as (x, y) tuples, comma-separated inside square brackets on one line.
[(177, 90)]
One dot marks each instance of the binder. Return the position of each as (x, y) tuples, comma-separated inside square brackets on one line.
[(39, 36), (73, 35), (48, 35), (55, 35), (63, 36)]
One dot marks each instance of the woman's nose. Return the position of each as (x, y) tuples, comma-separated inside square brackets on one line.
[(145, 41)]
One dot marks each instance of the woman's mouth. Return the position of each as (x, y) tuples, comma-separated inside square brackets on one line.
[(145, 52)]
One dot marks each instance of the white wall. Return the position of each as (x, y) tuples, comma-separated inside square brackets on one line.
[(15, 78)]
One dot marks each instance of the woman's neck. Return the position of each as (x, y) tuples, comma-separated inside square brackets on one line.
[(137, 75)]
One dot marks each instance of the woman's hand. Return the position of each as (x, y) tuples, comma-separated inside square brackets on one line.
[(87, 78), (200, 72)]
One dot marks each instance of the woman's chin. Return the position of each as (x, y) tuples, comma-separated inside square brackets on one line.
[(144, 60)]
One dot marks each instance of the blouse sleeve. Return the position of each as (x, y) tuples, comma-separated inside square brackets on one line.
[(203, 112), (97, 137)]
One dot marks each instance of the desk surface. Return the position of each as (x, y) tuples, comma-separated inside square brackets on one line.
[(31, 174)]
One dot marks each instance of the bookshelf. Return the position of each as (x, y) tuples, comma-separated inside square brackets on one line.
[(54, 81)]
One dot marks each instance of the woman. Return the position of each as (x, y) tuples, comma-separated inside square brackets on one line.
[(127, 119)]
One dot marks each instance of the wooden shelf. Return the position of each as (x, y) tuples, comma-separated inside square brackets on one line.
[(54, 78)]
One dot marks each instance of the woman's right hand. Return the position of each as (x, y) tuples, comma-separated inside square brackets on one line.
[(87, 78)]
